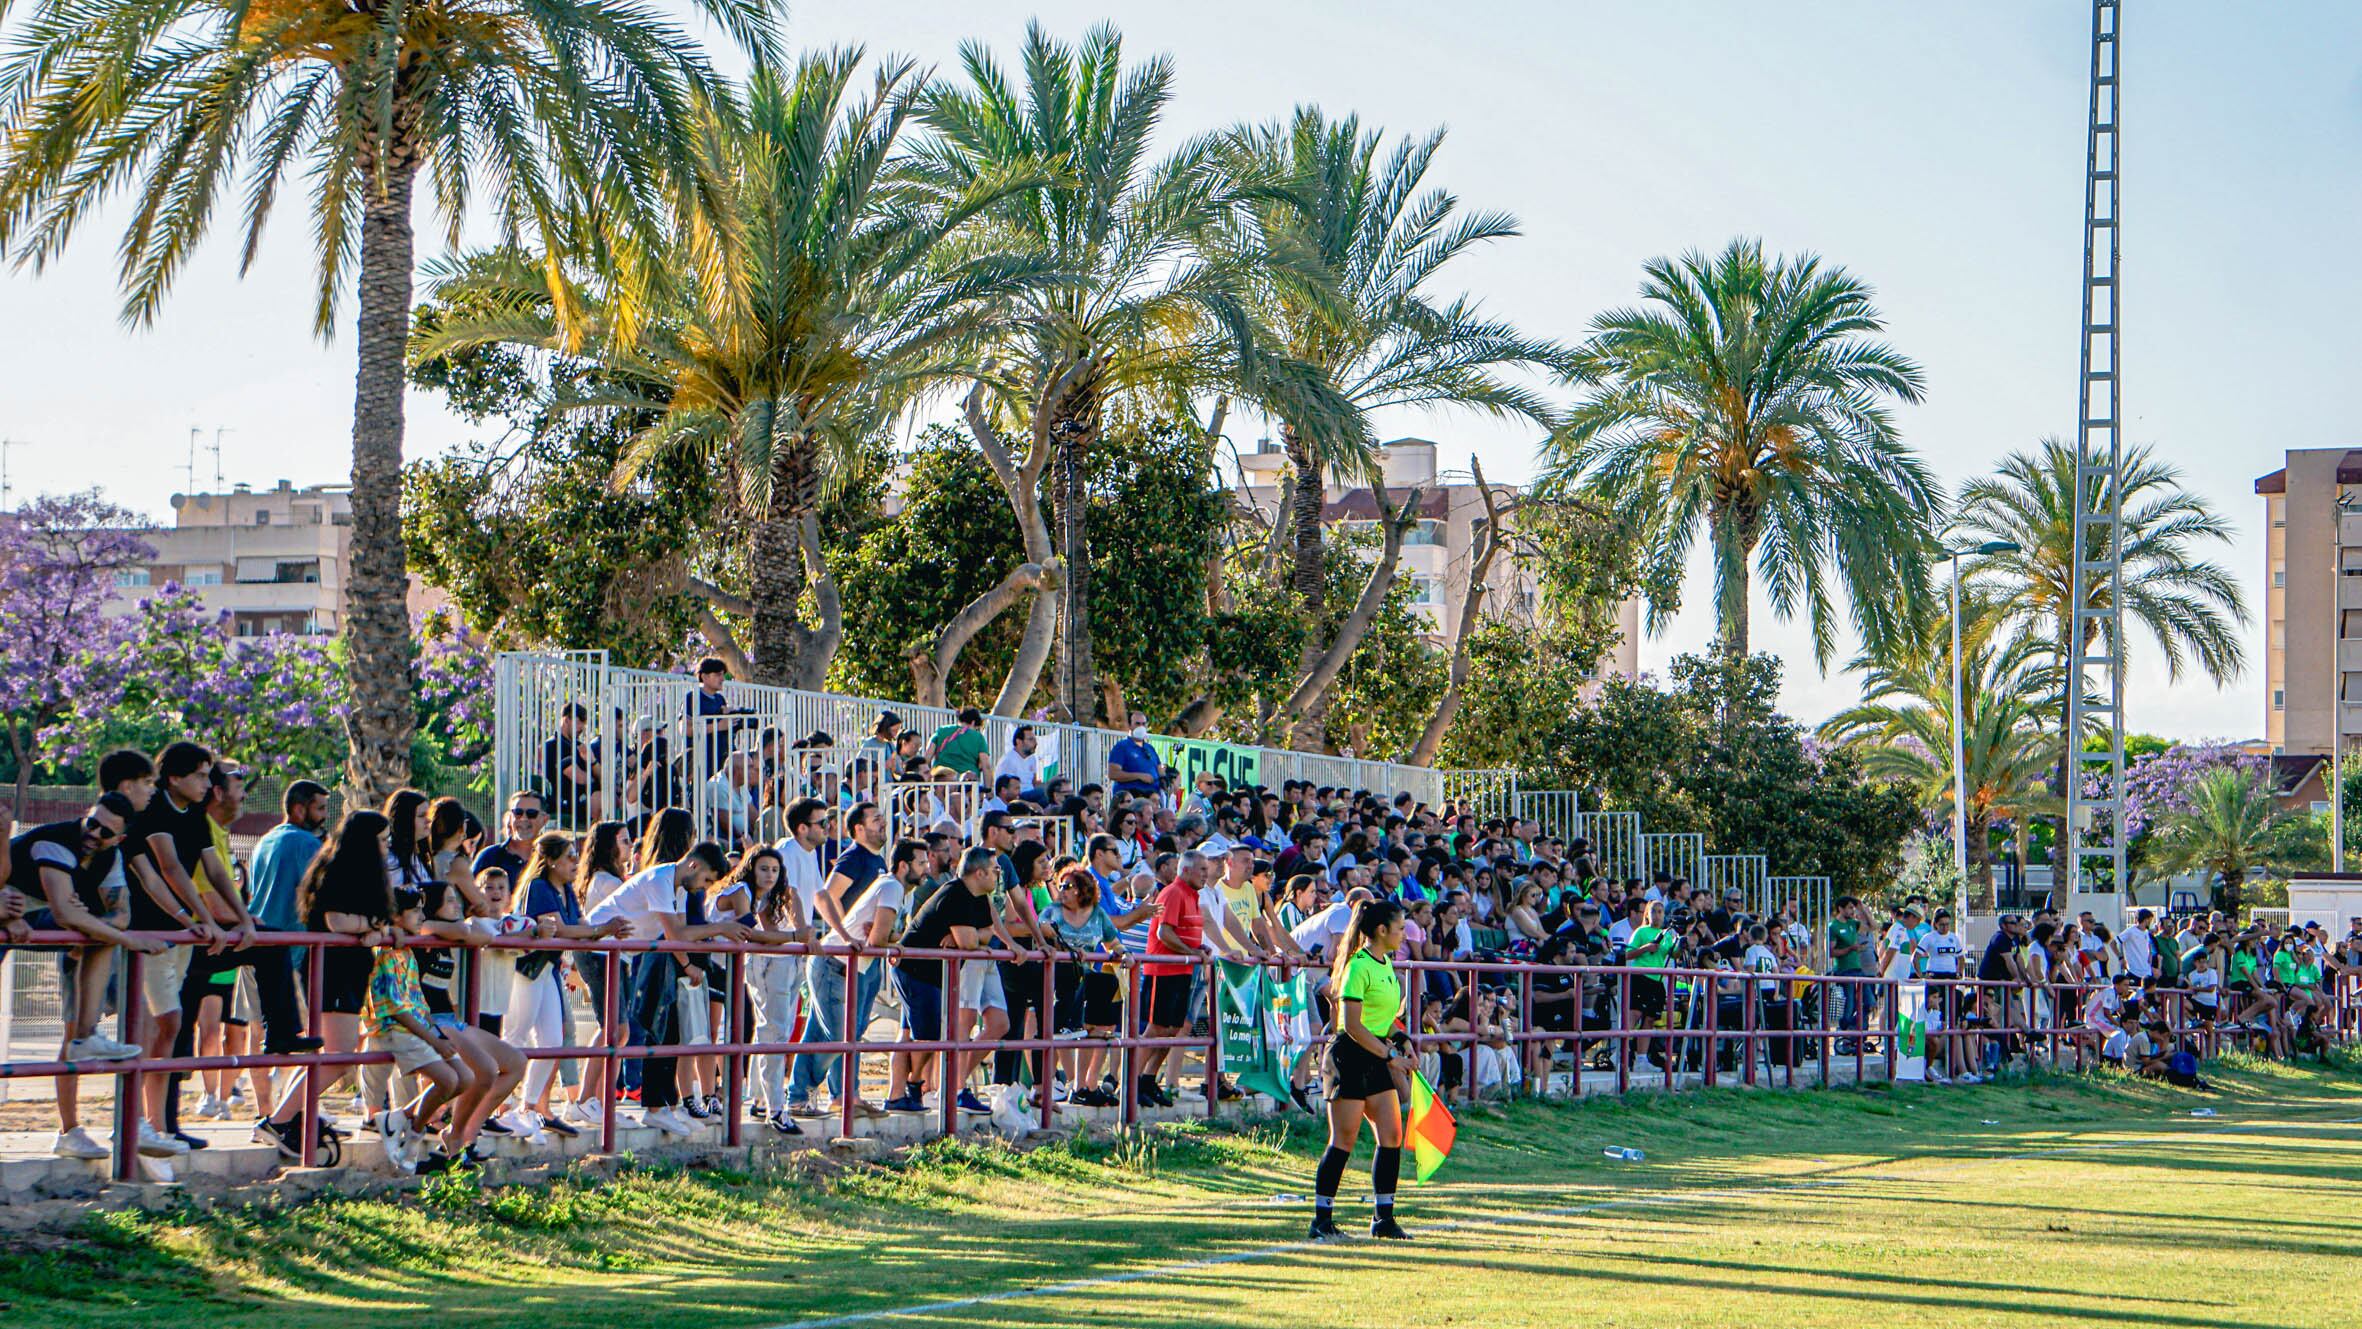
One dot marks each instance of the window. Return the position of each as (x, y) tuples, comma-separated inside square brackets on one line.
[(1426, 590), (1427, 532), (2320, 805), (2279, 699), (294, 571), (262, 516), (130, 578), (204, 577), (2279, 578)]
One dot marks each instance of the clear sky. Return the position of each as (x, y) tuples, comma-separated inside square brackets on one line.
[(1935, 149)]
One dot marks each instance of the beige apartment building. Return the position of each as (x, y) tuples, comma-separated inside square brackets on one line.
[(274, 558), (1438, 554), (2312, 589)]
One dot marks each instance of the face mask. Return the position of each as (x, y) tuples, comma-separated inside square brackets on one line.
[(1140, 731)]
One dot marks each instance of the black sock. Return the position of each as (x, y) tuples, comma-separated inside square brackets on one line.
[(1383, 1174), (1331, 1175)]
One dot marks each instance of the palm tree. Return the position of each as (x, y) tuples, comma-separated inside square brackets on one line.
[(1353, 244), (803, 309), (542, 106), (1149, 312), (2192, 608), (1749, 397), (2228, 825), (1902, 728)]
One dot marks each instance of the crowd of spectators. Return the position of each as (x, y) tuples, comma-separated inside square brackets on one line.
[(907, 841)]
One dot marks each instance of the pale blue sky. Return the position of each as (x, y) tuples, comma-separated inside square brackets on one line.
[(1935, 149)]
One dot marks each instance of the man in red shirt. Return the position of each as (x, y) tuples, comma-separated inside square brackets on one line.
[(1175, 939)]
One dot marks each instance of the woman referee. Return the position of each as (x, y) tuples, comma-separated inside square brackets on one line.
[(1360, 1064)]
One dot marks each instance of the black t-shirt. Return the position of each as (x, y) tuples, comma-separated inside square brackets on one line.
[(191, 833), (1995, 965), (502, 857), (953, 906), (59, 845), (859, 867), (1723, 922), (363, 894)]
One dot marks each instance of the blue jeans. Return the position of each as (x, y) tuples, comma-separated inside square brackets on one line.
[(824, 991), (655, 979), (1849, 1005)]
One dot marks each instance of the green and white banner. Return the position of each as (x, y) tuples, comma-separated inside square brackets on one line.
[(1250, 1049), (1911, 1027)]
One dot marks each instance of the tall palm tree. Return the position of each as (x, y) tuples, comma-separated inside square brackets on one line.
[(1150, 311), (1902, 728), (802, 308), (1354, 243), (1749, 397), (2190, 607), (2229, 825), (538, 106)]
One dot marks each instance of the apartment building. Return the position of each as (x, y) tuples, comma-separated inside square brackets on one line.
[(2312, 600), (273, 558), (1438, 553)]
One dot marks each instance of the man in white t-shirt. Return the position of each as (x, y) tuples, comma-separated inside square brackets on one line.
[(2140, 947), (774, 983), (1321, 932), (1021, 762), (1896, 947), (2103, 1016), (656, 903)]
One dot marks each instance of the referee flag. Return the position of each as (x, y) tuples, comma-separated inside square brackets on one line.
[(1430, 1128)]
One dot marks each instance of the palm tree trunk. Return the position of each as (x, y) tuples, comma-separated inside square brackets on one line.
[(1308, 502), (1074, 426), (383, 713), (1980, 862), (1734, 530), (775, 568)]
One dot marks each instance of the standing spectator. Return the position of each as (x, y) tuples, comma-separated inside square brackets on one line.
[(536, 1013), (848, 884), (524, 820), (343, 891), (282, 855), (1022, 763), (1176, 943), (569, 771), (956, 918), (174, 840), (655, 903), (1132, 765), (1849, 956), (2138, 945), (67, 863), (959, 747)]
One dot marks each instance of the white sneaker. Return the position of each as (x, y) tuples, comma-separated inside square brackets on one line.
[(156, 1144), (672, 1121), (99, 1047), (578, 1114), (212, 1108), (521, 1122), (77, 1143), (1935, 1076)]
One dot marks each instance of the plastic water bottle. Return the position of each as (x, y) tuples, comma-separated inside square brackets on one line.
[(2202, 1112), (1623, 1155)]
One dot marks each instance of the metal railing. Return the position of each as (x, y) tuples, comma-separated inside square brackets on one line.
[(1694, 1031)]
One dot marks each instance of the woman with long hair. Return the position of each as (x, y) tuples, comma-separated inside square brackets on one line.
[(1364, 1064), (537, 1016), (451, 838), (601, 864), (777, 917), (344, 891)]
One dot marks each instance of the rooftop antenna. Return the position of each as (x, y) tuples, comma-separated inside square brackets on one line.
[(7, 491), (190, 470), (218, 431)]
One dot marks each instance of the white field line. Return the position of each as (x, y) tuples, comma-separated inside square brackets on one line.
[(1283, 1247)]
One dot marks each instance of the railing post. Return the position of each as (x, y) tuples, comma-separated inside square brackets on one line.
[(1821, 984), (1470, 993), (308, 1136), (1624, 1028), (1213, 1039), (1045, 1024), (131, 1084), (1129, 1057), (734, 1076), (1713, 1030), (1754, 991), (948, 1079), (611, 1036), (850, 1059), (1894, 1026)]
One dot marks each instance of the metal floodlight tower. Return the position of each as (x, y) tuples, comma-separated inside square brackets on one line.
[(2095, 665)]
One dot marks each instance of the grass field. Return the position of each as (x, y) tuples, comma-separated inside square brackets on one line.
[(2058, 1201)]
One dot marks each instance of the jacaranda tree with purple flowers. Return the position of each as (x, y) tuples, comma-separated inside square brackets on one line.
[(273, 704), (58, 558)]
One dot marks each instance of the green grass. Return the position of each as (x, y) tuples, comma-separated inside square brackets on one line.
[(2094, 1200)]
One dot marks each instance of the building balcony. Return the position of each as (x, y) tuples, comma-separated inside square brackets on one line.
[(2349, 529)]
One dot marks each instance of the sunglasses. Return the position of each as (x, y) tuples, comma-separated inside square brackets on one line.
[(100, 831), (530, 814)]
